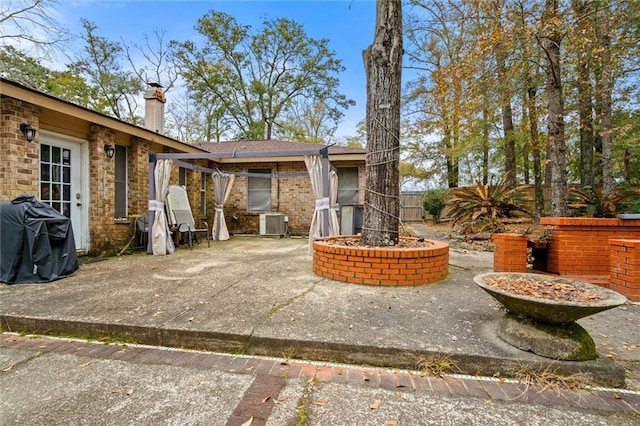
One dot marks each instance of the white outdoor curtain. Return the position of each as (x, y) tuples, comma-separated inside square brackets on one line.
[(222, 183), (314, 167), (334, 225), (162, 242)]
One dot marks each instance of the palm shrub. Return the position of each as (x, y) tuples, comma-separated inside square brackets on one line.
[(434, 201), (484, 207), (590, 202)]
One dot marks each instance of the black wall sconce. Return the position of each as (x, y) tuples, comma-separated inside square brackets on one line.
[(28, 132), (109, 150)]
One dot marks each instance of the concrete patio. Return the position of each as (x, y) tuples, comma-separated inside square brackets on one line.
[(256, 295)]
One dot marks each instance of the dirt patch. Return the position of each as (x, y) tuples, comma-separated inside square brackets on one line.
[(404, 242), (445, 231)]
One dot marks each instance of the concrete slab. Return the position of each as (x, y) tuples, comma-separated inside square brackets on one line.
[(259, 296), (66, 389)]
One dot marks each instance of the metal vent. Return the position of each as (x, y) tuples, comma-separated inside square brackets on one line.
[(272, 224)]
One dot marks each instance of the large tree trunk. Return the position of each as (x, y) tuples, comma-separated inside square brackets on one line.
[(605, 118), (507, 118), (585, 103), (555, 100), (535, 146), (383, 65)]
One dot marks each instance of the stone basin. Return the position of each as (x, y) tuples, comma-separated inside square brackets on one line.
[(549, 311)]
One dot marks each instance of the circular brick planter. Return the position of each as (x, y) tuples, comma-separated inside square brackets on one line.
[(387, 266)]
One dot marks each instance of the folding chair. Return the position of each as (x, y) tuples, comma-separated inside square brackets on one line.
[(180, 217)]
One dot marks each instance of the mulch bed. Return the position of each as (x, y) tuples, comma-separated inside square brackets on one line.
[(551, 290)]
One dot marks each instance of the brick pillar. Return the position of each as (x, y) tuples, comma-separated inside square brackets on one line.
[(510, 253), (624, 272)]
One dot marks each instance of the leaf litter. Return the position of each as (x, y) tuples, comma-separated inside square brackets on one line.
[(552, 290)]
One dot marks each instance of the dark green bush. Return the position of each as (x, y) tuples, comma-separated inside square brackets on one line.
[(434, 202)]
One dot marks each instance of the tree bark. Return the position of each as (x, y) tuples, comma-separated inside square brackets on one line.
[(585, 103), (383, 66), (605, 118), (555, 102), (507, 118)]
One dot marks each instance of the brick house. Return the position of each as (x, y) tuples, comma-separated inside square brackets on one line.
[(66, 165)]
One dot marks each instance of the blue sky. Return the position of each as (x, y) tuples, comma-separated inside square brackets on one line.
[(347, 24)]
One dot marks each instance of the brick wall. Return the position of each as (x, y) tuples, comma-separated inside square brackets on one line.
[(510, 253), (104, 233), (19, 159), (138, 177), (580, 246), (381, 266), (625, 268)]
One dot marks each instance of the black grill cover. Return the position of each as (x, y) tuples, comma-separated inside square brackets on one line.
[(37, 242)]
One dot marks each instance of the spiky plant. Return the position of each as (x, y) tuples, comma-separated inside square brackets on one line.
[(485, 206), (589, 201)]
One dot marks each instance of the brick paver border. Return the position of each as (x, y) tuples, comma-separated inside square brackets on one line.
[(271, 374)]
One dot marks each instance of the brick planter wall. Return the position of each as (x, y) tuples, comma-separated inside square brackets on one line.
[(381, 266), (580, 246), (510, 253), (625, 268)]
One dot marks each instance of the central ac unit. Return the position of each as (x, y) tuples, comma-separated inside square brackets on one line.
[(272, 224)]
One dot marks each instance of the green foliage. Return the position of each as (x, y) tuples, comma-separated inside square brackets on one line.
[(434, 201), (484, 207), (258, 76), (589, 201)]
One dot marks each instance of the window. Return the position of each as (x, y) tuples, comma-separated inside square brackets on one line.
[(121, 181), (182, 177), (347, 185), (259, 191), (203, 193), (55, 177)]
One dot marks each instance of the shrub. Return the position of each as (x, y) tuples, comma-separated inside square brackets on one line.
[(434, 202), (482, 208), (589, 201)]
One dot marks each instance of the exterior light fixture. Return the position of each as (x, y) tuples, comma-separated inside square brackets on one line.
[(109, 150), (28, 132)]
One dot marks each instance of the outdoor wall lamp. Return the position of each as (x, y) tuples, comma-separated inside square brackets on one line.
[(28, 132), (109, 150)]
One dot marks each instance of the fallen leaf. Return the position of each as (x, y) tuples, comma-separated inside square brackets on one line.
[(280, 400), (8, 368), (454, 338), (47, 398), (375, 405), (617, 396), (264, 400), (399, 394), (322, 402), (248, 422), (391, 422), (129, 392), (85, 364)]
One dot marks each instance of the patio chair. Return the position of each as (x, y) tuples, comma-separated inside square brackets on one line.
[(180, 218)]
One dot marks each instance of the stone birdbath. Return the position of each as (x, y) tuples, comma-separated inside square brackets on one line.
[(542, 310)]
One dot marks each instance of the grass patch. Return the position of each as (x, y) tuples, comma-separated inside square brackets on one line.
[(437, 365), (548, 379)]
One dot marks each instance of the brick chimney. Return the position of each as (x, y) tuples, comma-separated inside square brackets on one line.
[(154, 101)]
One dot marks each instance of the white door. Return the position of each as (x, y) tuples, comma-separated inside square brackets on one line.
[(63, 181)]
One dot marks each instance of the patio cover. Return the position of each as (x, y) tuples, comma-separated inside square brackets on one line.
[(37, 243), (222, 183), (314, 167)]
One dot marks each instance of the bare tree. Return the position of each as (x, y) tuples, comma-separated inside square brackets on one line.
[(383, 65), (31, 24)]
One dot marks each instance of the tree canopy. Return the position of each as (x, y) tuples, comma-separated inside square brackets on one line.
[(261, 78)]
